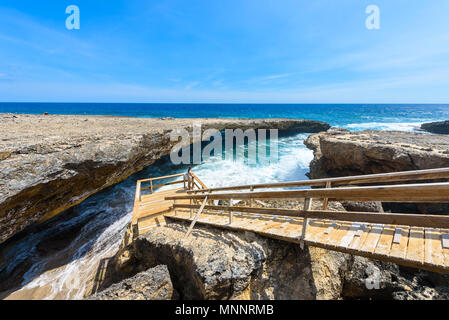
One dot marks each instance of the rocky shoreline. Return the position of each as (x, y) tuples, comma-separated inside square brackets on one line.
[(96, 152), (49, 163)]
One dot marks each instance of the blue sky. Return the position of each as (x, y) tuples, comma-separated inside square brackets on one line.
[(225, 51)]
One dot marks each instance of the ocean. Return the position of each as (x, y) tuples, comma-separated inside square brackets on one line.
[(351, 116), (101, 220)]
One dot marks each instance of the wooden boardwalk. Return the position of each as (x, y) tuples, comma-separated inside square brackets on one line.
[(415, 240), (149, 212), (411, 246)]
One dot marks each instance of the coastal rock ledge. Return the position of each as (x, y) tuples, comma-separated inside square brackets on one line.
[(441, 127), (339, 152), (221, 264), (51, 163)]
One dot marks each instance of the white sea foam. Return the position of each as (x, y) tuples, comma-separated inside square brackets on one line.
[(393, 126)]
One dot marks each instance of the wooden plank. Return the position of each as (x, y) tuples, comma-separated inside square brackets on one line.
[(360, 239), (337, 233), (445, 240), (385, 241), (415, 250), (317, 229), (370, 243), (433, 253), (287, 228), (397, 235), (347, 239), (445, 250), (196, 217), (425, 192), (399, 250)]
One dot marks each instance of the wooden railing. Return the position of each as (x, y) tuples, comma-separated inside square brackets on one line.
[(425, 192), (336, 191), (196, 182), (403, 176)]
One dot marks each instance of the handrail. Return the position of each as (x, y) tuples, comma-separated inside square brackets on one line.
[(417, 220), (195, 177), (428, 174), (160, 178), (426, 192), (139, 187)]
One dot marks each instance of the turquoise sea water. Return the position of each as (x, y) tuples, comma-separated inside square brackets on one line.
[(102, 218), (352, 116)]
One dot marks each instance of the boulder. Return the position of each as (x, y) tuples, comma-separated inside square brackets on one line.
[(441, 127), (222, 264), (152, 284)]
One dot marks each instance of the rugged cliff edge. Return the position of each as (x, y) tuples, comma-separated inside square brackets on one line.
[(341, 152), (50, 163)]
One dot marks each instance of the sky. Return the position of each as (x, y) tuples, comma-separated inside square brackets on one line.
[(230, 51)]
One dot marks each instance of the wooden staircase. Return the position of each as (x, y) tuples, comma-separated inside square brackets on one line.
[(415, 240)]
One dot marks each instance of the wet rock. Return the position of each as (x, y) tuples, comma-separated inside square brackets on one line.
[(152, 284), (441, 127)]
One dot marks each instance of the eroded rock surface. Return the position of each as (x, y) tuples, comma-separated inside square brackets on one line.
[(342, 153), (50, 163), (152, 284), (222, 264)]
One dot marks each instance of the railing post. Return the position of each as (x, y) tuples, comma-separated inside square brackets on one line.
[(326, 200), (139, 193), (307, 206), (251, 189), (184, 179), (151, 185), (196, 217), (230, 211)]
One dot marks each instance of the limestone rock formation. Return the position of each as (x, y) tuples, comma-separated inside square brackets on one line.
[(441, 127), (152, 284), (50, 163), (343, 153), (222, 264)]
